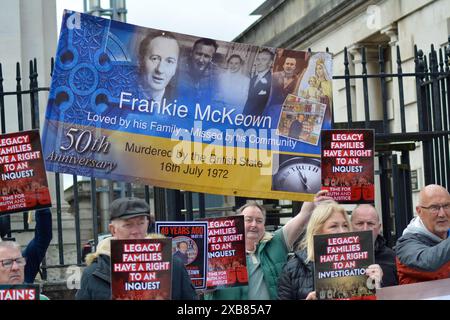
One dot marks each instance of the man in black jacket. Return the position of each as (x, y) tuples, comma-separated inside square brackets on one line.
[(260, 84), (365, 217), (129, 220)]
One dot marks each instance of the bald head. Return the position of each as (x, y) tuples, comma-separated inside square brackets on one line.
[(432, 191), (365, 217), (433, 209)]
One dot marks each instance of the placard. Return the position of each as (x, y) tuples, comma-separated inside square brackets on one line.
[(19, 292), (141, 269), (227, 264), (190, 245), (348, 165), (340, 261), (23, 180)]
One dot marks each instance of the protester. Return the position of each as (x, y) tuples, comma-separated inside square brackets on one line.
[(365, 217), (266, 253), (37, 248), (12, 265), (129, 220), (297, 278), (423, 251)]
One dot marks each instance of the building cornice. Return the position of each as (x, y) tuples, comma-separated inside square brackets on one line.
[(319, 18)]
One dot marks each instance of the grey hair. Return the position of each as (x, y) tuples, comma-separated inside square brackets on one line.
[(252, 204), (365, 205), (10, 245)]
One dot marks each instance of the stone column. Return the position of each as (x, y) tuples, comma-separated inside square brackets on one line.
[(391, 66), (373, 85)]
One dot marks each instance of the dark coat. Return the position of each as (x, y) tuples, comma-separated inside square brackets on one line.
[(279, 91), (193, 87), (37, 247), (258, 95), (96, 279), (297, 278), (385, 257)]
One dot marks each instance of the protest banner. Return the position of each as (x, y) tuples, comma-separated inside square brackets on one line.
[(141, 269), (348, 165), (23, 180), (190, 245), (137, 104), (19, 292), (340, 261), (227, 264)]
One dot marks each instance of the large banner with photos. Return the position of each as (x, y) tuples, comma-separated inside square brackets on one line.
[(178, 111)]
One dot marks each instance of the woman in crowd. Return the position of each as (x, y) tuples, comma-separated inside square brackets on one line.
[(297, 278)]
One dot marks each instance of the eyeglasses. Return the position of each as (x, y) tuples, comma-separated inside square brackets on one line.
[(435, 208), (251, 219), (8, 263)]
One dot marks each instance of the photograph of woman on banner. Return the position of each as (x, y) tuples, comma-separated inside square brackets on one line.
[(296, 281), (158, 60), (234, 84)]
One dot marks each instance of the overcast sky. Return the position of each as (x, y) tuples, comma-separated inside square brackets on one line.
[(217, 19)]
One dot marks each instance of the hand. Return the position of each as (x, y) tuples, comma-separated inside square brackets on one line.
[(311, 296), (297, 225), (320, 196), (375, 273)]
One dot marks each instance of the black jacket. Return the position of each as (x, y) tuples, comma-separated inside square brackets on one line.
[(297, 278), (37, 247), (96, 279), (258, 95), (385, 257)]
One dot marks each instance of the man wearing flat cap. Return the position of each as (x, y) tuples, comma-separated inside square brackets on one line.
[(130, 218)]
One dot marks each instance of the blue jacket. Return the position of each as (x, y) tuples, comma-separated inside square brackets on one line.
[(36, 249)]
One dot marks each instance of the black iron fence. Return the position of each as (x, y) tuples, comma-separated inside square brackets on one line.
[(432, 78), (433, 95)]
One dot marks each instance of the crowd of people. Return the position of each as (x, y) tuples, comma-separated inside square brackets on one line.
[(280, 265)]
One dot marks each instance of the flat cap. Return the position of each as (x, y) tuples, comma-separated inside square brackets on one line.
[(127, 208)]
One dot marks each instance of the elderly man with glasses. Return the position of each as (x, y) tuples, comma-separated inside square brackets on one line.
[(423, 251), (12, 265)]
